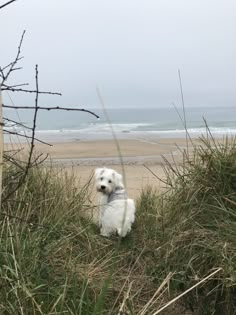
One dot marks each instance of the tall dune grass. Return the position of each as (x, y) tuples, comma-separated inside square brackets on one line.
[(53, 260), (200, 226)]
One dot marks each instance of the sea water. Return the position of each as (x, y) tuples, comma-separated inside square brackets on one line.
[(124, 122)]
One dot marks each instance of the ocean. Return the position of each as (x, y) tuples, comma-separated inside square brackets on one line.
[(125, 122)]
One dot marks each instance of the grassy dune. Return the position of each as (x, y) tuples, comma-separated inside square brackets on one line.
[(53, 260)]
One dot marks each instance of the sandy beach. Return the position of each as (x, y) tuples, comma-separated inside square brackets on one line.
[(142, 159)]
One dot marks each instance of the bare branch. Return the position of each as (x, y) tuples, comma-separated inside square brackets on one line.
[(37, 161), (24, 136), (23, 173), (34, 123), (12, 89), (15, 151), (11, 63), (23, 167), (17, 123), (7, 87), (53, 108), (13, 161), (30, 163), (1, 73), (7, 3), (17, 58)]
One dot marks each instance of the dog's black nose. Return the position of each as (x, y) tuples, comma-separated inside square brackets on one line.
[(103, 187)]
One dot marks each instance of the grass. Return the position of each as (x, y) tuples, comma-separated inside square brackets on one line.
[(200, 226), (53, 260)]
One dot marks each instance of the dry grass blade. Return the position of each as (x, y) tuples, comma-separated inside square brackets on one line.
[(125, 299), (159, 292), (187, 291), (184, 111)]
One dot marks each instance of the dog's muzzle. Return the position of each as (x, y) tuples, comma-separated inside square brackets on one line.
[(102, 189)]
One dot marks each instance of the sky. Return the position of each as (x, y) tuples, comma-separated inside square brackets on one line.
[(130, 49)]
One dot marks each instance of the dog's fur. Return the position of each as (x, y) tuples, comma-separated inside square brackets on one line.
[(117, 212)]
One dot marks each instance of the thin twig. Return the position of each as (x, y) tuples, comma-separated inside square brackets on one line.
[(24, 136), (18, 162), (13, 161), (35, 163), (17, 58), (53, 108), (12, 89), (16, 123), (34, 123), (14, 86), (7, 3), (11, 63)]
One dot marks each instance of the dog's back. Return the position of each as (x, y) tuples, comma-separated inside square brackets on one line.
[(118, 216)]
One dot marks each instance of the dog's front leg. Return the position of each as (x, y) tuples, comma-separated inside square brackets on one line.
[(102, 203), (101, 213)]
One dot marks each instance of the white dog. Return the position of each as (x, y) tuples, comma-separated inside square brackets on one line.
[(117, 212)]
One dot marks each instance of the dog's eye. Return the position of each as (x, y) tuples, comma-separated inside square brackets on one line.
[(109, 181), (101, 178)]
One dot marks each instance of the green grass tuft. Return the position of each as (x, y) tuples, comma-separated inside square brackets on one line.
[(200, 227)]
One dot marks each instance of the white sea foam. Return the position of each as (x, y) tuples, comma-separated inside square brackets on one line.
[(120, 128), (213, 130), (100, 128)]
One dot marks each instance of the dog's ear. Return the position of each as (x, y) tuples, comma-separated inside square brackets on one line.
[(99, 172), (118, 180)]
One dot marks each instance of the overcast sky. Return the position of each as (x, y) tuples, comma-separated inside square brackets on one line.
[(131, 49)]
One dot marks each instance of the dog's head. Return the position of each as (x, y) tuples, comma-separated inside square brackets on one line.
[(108, 180)]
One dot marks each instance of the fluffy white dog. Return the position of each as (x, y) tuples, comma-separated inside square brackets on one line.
[(117, 212)]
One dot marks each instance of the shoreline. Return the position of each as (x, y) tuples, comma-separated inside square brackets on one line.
[(142, 159), (57, 136), (77, 136)]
